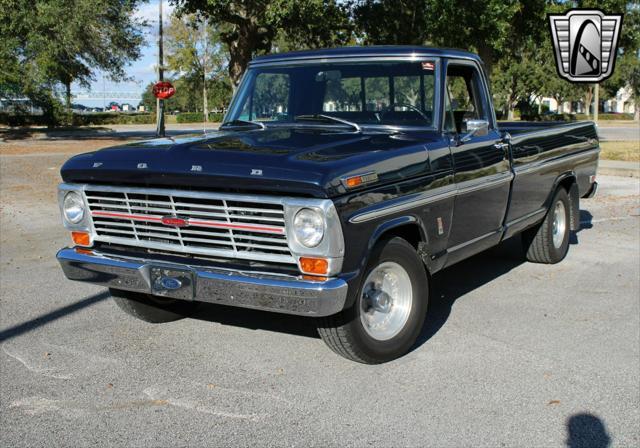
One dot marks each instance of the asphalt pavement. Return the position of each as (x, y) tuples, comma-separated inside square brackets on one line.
[(512, 353)]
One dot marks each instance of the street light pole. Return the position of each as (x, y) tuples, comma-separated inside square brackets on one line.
[(159, 102)]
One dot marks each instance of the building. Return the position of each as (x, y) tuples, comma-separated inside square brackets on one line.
[(621, 103)]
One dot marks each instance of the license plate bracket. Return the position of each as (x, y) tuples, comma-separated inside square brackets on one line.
[(170, 282)]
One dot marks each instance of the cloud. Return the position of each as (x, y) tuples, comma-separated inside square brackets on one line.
[(149, 11)]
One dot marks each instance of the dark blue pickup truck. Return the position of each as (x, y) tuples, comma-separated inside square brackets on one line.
[(340, 181)]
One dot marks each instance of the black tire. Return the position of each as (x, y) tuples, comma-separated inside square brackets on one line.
[(345, 333), (151, 308), (539, 241)]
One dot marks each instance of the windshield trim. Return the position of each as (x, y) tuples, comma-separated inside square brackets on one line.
[(438, 82)]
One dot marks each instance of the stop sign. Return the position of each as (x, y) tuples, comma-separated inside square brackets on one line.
[(163, 90)]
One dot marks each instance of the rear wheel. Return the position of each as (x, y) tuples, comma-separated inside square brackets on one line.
[(549, 242), (151, 308), (388, 314)]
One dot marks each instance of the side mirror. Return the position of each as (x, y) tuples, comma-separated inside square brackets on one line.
[(475, 127)]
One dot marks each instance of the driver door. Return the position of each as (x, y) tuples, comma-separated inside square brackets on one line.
[(481, 163)]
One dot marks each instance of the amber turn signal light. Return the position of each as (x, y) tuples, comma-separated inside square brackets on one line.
[(318, 266), (81, 238)]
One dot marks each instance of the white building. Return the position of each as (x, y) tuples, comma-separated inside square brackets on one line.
[(621, 103)]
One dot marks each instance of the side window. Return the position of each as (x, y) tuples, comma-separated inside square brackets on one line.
[(465, 103), (270, 98)]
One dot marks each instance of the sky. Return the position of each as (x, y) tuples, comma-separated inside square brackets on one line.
[(143, 70)]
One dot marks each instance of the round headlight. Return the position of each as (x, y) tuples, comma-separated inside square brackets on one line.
[(73, 207), (308, 226)]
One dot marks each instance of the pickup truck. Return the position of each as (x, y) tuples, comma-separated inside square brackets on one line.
[(339, 182)]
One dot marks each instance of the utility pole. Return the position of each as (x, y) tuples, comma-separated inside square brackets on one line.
[(596, 101), (205, 103), (159, 102)]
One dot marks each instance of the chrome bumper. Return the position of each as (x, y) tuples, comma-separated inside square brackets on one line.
[(279, 293)]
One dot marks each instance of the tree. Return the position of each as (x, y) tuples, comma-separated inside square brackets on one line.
[(250, 27), (54, 42), (493, 28), (400, 22), (194, 51)]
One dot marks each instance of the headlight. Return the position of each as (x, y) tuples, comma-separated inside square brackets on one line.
[(308, 226), (73, 207)]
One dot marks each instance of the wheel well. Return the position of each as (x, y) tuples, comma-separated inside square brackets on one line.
[(567, 182), (570, 184), (409, 232)]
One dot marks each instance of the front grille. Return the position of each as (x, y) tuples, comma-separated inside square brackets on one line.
[(220, 225)]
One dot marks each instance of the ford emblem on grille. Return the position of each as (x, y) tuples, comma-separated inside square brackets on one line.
[(170, 283), (174, 221)]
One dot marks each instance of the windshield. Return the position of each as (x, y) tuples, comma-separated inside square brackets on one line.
[(380, 93)]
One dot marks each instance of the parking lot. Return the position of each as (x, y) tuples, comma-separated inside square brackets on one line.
[(512, 353)]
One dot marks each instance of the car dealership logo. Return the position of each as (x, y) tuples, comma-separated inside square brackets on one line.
[(585, 41)]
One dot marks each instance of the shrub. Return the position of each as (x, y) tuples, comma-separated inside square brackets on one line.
[(605, 116), (198, 117), (105, 118), (548, 117), (99, 119)]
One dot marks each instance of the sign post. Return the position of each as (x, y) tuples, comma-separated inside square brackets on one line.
[(160, 101)]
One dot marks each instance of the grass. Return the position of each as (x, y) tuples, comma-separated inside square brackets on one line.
[(627, 151)]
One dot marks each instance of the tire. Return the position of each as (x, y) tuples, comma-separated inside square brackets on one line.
[(356, 332), (549, 242), (151, 308)]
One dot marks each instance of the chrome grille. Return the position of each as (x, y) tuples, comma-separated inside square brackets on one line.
[(221, 225)]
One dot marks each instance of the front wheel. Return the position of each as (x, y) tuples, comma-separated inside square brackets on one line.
[(389, 311), (549, 242), (149, 308)]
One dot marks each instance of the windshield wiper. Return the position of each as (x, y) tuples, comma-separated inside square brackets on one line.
[(321, 117), (239, 123)]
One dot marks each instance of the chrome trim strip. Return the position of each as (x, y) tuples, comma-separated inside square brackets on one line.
[(475, 240), (377, 57), (405, 203), (435, 195), (283, 294), (526, 168), (513, 222), (484, 182)]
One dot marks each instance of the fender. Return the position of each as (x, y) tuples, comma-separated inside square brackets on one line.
[(574, 197), (381, 229)]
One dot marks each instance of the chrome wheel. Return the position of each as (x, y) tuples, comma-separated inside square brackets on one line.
[(559, 225), (386, 301)]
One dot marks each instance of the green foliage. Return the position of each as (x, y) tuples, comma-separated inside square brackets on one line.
[(198, 117), (47, 44), (188, 97), (602, 116), (97, 119), (251, 27)]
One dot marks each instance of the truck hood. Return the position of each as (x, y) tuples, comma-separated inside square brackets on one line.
[(293, 161)]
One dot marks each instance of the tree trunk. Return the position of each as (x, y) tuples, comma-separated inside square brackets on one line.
[(67, 95), (205, 104), (588, 97), (486, 54)]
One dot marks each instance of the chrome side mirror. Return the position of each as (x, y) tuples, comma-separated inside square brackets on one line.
[(475, 127)]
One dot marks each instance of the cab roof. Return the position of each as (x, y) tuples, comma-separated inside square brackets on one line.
[(365, 52)]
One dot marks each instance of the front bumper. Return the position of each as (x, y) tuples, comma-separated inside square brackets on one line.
[(280, 293)]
